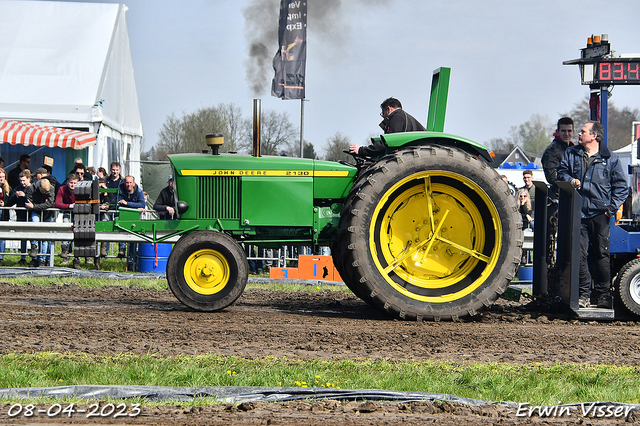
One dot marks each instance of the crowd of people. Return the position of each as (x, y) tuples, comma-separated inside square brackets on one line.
[(38, 197)]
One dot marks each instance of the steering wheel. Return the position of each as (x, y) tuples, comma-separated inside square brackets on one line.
[(359, 161)]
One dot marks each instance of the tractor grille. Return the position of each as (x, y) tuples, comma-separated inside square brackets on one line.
[(219, 197)]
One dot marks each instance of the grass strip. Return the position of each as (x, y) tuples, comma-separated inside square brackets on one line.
[(159, 284), (534, 383)]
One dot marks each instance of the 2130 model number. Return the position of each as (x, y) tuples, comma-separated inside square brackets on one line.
[(94, 410)]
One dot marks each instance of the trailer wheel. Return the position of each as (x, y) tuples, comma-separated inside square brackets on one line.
[(628, 285), (207, 270), (433, 233)]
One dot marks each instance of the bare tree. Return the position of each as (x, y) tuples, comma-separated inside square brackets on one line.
[(500, 145), (170, 135), (238, 129), (335, 145), (188, 134), (533, 135), (277, 133)]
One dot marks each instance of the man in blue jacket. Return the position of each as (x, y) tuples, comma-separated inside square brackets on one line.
[(130, 195), (597, 175)]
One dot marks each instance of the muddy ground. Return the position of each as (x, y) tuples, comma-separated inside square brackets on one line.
[(328, 325)]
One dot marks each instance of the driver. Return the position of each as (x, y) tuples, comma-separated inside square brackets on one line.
[(394, 120)]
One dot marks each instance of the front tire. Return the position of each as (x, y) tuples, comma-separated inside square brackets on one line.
[(628, 286), (207, 271), (432, 233)]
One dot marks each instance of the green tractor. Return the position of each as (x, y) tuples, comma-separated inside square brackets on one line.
[(428, 231)]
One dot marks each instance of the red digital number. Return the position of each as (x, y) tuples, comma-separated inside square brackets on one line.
[(618, 71), (633, 71), (605, 71)]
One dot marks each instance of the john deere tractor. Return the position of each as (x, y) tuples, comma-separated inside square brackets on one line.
[(428, 231)]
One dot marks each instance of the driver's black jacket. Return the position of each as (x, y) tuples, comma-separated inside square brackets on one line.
[(398, 121)]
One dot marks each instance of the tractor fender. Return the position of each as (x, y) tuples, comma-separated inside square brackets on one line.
[(394, 141)]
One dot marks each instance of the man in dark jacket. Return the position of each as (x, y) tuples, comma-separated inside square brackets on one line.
[(395, 120), (40, 197), (112, 181), (14, 174), (550, 161), (165, 204), (18, 198), (130, 195), (42, 172), (555, 151), (597, 175)]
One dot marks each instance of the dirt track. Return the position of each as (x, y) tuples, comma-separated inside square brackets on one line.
[(305, 326)]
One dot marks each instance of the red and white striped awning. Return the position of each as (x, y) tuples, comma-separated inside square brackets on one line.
[(18, 133)]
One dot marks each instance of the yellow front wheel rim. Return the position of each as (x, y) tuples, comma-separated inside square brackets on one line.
[(207, 271)]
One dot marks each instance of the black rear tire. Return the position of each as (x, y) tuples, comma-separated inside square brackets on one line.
[(431, 233)]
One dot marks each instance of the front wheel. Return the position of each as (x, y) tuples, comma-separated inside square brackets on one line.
[(628, 286), (207, 270)]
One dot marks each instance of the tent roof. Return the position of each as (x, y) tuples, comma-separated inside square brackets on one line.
[(67, 62), (17, 133)]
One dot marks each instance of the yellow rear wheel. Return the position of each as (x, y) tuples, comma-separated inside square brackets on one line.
[(430, 232)]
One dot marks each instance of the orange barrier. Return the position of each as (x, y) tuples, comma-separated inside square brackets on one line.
[(283, 273), (310, 267)]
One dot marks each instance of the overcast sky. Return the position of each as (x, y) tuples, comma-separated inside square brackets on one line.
[(506, 59)]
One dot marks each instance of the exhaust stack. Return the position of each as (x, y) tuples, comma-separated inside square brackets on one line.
[(256, 127)]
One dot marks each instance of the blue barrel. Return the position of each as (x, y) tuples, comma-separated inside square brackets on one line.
[(525, 273), (147, 257)]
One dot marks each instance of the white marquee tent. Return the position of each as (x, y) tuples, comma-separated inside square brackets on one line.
[(68, 64)]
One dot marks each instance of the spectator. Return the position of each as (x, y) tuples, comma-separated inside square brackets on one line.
[(113, 181), (5, 192), (130, 195), (550, 161), (81, 171), (40, 197), (44, 173), (1, 163), (524, 204), (597, 174), (19, 198), (165, 205), (91, 172), (527, 177), (255, 265), (553, 155), (14, 174), (101, 173), (65, 201)]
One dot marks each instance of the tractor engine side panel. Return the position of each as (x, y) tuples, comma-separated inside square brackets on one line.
[(277, 201)]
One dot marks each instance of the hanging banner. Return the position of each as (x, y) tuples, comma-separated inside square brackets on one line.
[(291, 60)]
